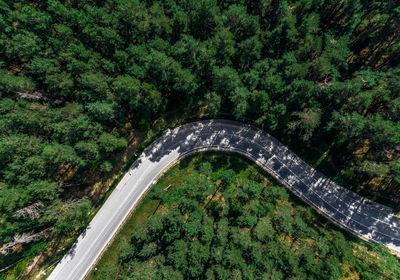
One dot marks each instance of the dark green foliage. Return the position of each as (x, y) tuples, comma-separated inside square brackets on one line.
[(73, 73)]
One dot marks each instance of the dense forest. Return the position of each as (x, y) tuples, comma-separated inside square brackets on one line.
[(220, 218), (76, 76)]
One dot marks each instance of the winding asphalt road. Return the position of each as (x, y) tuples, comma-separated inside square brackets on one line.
[(358, 215)]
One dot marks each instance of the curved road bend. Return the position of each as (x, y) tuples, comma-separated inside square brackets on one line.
[(360, 216)]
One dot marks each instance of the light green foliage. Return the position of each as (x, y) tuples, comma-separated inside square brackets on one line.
[(101, 111), (58, 153), (42, 189), (95, 81), (87, 150), (127, 88), (110, 143), (23, 45), (15, 83), (306, 121), (68, 216)]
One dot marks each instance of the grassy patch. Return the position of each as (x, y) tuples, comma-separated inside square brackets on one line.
[(111, 255)]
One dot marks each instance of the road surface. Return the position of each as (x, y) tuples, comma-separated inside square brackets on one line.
[(358, 215)]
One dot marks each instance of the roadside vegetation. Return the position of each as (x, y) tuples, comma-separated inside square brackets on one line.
[(219, 216), (81, 82)]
